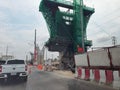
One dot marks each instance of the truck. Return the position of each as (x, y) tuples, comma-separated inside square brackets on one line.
[(13, 68)]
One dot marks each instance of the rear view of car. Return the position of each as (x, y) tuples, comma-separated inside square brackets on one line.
[(13, 68)]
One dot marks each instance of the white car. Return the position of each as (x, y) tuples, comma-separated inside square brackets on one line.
[(13, 68)]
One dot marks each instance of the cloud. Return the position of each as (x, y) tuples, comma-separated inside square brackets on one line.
[(2, 17), (18, 20), (102, 38), (20, 5), (104, 23)]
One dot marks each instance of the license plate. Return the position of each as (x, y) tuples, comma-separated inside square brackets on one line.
[(13, 73)]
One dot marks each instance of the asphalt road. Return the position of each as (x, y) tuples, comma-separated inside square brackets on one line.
[(39, 80)]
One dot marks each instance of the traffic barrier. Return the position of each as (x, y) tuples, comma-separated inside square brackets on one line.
[(116, 82), (96, 75), (79, 70), (109, 76), (106, 64), (29, 69), (91, 74), (102, 76), (81, 73), (76, 73), (87, 74)]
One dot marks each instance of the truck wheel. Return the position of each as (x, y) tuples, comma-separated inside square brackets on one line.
[(2, 80), (25, 78)]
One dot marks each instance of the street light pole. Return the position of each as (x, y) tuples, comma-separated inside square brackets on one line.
[(6, 50), (35, 53), (114, 41)]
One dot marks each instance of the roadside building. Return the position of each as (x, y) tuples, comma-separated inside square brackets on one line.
[(6, 57)]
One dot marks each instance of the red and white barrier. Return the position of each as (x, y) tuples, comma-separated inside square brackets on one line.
[(91, 75), (109, 76), (100, 60), (29, 69), (87, 74), (116, 82), (101, 76), (83, 73), (79, 70), (96, 75)]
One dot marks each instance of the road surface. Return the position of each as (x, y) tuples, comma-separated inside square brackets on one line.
[(40, 80)]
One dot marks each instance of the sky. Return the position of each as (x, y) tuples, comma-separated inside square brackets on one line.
[(20, 18)]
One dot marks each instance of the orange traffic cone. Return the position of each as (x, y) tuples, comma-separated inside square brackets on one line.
[(40, 67)]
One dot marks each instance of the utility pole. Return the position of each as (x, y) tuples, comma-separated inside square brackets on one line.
[(26, 58), (114, 40), (35, 51), (46, 54), (6, 50)]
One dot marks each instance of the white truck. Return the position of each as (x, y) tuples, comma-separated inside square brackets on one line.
[(13, 68)]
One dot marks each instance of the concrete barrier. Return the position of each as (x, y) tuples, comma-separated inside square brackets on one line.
[(76, 73), (96, 75), (87, 74), (29, 67), (81, 60), (116, 81), (98, 58), (81, 73), (102, 76), (115, 54), (103, 66), (79, 70), (107, 77), (91, 75)]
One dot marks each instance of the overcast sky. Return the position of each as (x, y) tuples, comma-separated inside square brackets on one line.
[(19, 19)]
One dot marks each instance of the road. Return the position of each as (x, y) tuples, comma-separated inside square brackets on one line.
[(40, 80)]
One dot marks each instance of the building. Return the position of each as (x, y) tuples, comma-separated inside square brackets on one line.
[(6, 57)]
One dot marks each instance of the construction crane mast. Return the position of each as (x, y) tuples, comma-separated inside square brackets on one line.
[(67, 29)]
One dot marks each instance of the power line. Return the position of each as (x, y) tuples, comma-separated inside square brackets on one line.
[(101, 28), (114, 40), (111, 13), (111, 19)]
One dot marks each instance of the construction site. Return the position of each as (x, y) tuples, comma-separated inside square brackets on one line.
[(81, 62), (67, 22)]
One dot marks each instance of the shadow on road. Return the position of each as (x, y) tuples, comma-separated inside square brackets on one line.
[(12, 82), (81, 85), (73, 85)]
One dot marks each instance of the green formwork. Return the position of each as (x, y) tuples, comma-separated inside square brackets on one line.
[(66, 28)]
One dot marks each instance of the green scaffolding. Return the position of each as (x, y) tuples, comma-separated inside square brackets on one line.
[(66, 28)]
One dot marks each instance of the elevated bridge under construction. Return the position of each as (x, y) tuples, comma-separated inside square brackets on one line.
[(67, 22)]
